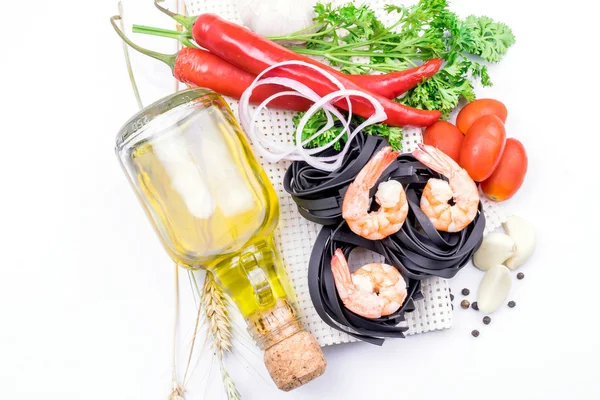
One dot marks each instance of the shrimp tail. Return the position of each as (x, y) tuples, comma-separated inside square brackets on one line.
[(341, 274), (436, 159), (373, 170), (361, 303), (367, 305)]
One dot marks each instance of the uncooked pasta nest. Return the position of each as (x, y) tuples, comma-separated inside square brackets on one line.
[(319, 194), (418, 250), (421, 251), (324, 296)]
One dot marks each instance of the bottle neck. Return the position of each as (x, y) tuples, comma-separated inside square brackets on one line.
[(254, 278), (270, 327)]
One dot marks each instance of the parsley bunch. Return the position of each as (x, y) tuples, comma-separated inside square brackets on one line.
[(353, 38), (319, 119)]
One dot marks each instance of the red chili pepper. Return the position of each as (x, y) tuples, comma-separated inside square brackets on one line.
[(200, 68), (397, 114), (254, 53), (394, 84)]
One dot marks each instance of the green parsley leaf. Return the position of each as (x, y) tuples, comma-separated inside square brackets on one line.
[(315, 124), (443, 90), (353, 39), (319, 120), (491, 39)]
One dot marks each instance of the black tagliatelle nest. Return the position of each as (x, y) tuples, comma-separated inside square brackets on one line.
[(319, 194), (421, 251), (324, 295), (418, 250)]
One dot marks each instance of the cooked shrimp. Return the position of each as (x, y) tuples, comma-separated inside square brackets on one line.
[(373, 291), (435, 201), (390, 196)]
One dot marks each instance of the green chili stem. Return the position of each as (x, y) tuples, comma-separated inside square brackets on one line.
[(186, 22), (182, 37), (168, 59)]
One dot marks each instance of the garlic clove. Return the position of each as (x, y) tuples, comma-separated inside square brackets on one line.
[(523, 234), (494, 250), (493, 289)]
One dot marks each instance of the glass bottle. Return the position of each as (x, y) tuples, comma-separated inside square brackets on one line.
[(214, 208)]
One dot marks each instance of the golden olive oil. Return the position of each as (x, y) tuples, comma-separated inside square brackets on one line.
[(213, 204), (213, 207)]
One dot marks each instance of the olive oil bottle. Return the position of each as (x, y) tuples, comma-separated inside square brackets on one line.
[(213, 207)]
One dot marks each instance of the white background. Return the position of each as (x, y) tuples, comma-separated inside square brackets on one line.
[(86, 291)]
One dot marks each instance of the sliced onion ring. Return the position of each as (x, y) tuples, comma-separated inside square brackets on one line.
[(273, 151)]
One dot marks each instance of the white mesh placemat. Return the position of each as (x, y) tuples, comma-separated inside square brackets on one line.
[(295, 236)]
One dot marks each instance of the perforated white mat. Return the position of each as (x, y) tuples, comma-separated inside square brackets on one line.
[(295, 235)]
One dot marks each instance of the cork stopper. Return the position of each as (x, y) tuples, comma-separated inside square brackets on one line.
[(292, 356), (295, 361)]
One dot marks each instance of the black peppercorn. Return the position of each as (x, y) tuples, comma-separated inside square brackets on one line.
[(465, 292), (475, 333), (474, 306), (512, 304), (520, 275), (465, 304), (487, 320)]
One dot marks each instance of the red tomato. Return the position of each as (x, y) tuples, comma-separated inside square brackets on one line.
[(445, 137), (510, 173), (482, 148), (477, 109)]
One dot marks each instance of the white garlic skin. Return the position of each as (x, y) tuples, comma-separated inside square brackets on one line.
[(276, 17), (494, 250), (493, 289), (523, 234)]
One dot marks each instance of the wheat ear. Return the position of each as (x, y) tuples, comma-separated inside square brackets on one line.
[(230, 389), (219, 325), (217, 315)]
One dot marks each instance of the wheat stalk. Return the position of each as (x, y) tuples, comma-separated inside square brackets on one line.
[(217, 315), (230, 389), (214, 303), (212, 298), (219, 326), (177, 392), (136, 92)]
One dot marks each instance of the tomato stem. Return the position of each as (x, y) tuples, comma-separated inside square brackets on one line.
[(168, 59), (186, 22)]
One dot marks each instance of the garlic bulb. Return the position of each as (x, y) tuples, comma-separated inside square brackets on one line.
[(276, 17)]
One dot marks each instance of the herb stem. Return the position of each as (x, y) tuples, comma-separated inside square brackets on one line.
[(333, 55), (308, 36), (419, 33)]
